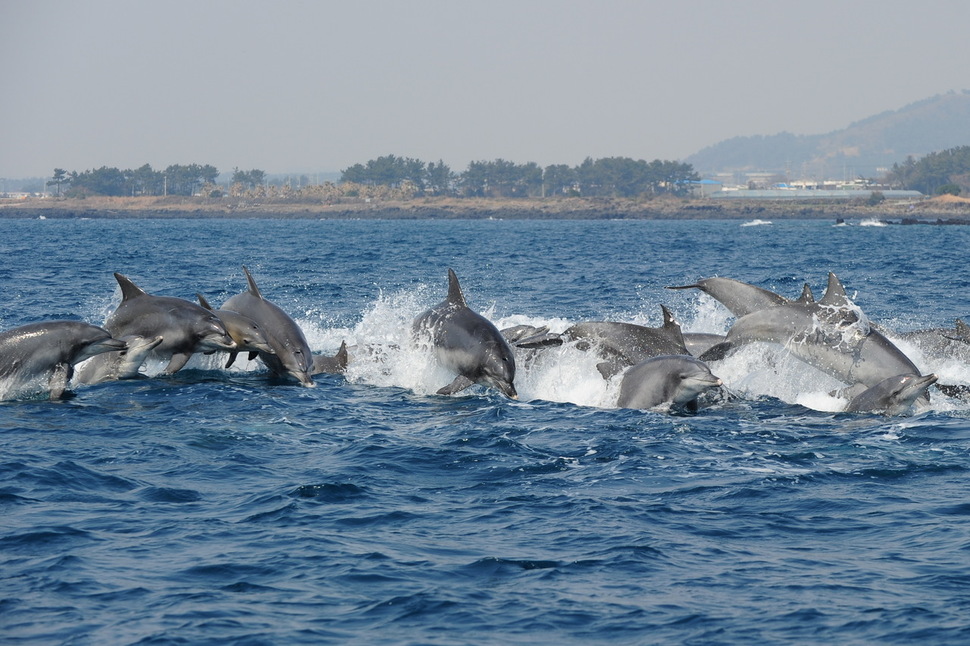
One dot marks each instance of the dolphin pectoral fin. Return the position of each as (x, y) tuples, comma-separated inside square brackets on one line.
[(459, 384), (611, 368), (717, 352), (59, 380), (232, 358), (253, 355), (178, 362)]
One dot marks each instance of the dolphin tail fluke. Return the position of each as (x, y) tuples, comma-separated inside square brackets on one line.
[(253, 289), (454, 289), (129, 289)]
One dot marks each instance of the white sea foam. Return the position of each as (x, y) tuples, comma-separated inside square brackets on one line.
[(383, 353)]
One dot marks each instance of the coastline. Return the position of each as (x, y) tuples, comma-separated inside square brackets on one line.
[(941, 209)]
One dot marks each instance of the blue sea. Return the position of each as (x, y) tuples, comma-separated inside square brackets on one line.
[(220, 506)]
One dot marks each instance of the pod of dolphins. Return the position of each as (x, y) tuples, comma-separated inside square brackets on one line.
[(660, 367)]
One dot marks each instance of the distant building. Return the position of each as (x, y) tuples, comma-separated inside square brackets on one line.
[(812, 194)]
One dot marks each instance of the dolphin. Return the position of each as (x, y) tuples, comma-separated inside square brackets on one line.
[(467, 343), (50, 350), (291, 354), (185, 327), (123, 364), (740, 298), (893, 396), (941, 343), (335, 365), (831, 335), (677, 380), (245, 333), (621, 344), (627, 344)]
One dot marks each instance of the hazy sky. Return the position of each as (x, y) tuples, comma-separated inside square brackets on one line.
[(287, 86)]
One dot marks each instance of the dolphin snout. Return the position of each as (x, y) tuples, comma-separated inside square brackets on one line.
[(110, 345)]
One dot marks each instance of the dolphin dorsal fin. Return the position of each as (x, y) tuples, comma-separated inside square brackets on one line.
[(129, 289), (203, 302), (253, 289), (454, 290), (807, 295), (962, 328), (669, 319), (834, 293)]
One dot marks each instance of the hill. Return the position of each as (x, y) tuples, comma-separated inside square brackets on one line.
[(866, 148)]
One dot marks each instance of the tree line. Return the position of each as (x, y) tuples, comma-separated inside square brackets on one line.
[(946, 171), (605, 177), (176, 179)]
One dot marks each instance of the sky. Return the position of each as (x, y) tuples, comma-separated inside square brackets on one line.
[(289, 86)]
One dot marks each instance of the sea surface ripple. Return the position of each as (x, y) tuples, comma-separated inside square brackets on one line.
[(220, 506)]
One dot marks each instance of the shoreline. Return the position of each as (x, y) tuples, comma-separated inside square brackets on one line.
[(946, 209)]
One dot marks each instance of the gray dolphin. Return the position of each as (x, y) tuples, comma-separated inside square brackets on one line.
[(335, 365), (621, 344), (941, 343), (740, 298), (676, 379), (123, 364), (893, 396), (50, 350), (627, 344), (830, 335), (245, 332), (467, 343), (185, 327), (291, 354)]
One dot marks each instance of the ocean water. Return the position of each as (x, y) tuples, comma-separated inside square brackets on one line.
[(220, 506)]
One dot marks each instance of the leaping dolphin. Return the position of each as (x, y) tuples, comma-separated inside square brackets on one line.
[(291, 354), (742, 298), (467, 343), (892, 396), (49, 351), (245, 332), (621, 344), (831, 335), (123, 364), (185, 327), (677, 380)]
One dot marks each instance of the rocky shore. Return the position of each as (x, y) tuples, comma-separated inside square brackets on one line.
[(945, 209)]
